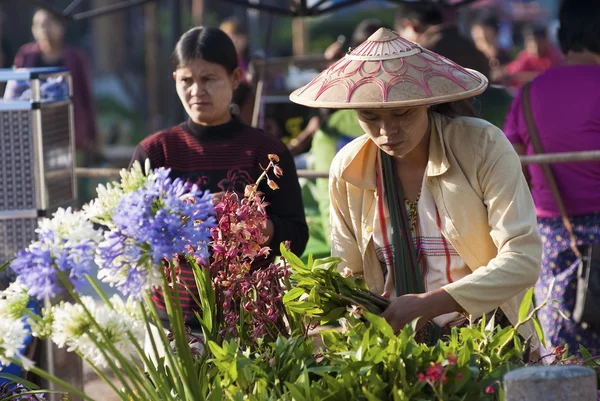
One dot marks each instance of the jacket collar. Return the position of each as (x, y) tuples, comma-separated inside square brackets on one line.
[(360, 171)]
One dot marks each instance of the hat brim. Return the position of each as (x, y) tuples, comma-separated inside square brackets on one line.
[(427, 101)]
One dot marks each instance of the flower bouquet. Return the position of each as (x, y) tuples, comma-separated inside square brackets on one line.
[(147, 232)]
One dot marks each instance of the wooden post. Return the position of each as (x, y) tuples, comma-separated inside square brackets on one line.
[(109, 46), (197, 12), (300, 36), (152, 80)]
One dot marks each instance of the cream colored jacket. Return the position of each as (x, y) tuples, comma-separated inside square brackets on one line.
[(484, 202)]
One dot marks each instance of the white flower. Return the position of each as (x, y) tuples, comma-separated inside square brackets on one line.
[(133, 310), (13, 301), (345, 325), (73, 227), (347, 272), (355, 311), (136, 178), (41, 326), (73, 327), (12, 339), (70, 325), (100, 209)]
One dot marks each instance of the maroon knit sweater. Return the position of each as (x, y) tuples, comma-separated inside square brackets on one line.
[(226, 158)]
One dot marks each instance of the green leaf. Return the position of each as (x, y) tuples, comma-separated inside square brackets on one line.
[(586, 355), (4, 266), (464, 356), (330, 264), (217, 351), (216, 392), (331, 338), (540, 332), (19, 380), (293, 294), (333, 315), (525, 306), (295, 392), (293, 260), (380, 324)]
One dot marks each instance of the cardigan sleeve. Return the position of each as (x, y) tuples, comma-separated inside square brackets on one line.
[(343, 239), (513, 229)]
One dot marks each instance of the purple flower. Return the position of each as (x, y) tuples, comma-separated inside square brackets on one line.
[(12, 389), (159, 221), (35, 269), (66, 244)]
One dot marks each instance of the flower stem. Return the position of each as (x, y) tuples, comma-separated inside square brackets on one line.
[(47, 376)]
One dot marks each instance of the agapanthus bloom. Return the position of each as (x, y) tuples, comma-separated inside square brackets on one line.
[(13, 305), (12, 339), (66, 243), (158, 221), (74, 328), (13, 301), (101, 208)]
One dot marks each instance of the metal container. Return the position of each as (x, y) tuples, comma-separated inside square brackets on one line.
[(37, 154), (37, 175)]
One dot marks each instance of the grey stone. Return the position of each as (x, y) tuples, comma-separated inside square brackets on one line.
[(551, 383)]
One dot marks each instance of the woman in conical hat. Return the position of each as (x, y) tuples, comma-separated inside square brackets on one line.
[(430, 208)]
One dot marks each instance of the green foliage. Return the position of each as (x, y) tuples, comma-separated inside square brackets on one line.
[(364, 360)]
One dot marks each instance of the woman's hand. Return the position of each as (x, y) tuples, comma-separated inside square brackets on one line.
[(407, 308)]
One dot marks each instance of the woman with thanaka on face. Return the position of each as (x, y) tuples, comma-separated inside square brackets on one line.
[(217, 151), (429, 207)]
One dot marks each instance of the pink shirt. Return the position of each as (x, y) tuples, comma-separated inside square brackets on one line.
[(566, 108), (527, 62)]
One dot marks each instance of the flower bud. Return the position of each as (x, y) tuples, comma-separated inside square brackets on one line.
[(272, 184)]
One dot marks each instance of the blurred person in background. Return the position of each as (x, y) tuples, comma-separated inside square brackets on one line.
[(434, 28), (244, 96), (484, 31), (539, 55), (50, 50), (238, 33), (565, 104)]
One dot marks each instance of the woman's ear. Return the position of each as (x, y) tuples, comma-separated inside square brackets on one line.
[(237, 78), (175, 75)]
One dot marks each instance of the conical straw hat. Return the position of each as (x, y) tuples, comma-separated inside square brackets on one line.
[(387, 71)]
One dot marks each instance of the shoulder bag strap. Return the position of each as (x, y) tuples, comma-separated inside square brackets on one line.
[(548, 174)]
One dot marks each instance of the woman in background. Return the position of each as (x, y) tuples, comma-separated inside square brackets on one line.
[(218, 152), (565, 104)]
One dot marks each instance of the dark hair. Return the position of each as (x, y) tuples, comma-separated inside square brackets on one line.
[(208, 44), (459, 108), (487, 20), (365, 29), (425, 13), (579, 26), (55, 16), (536, 31)]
